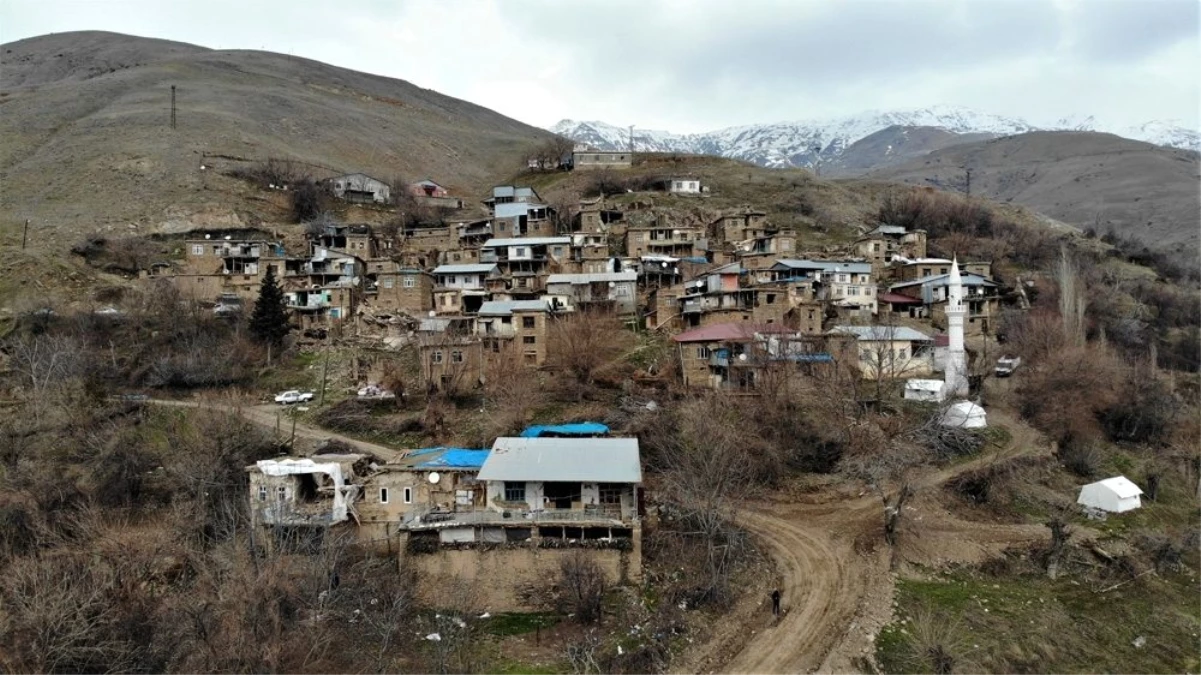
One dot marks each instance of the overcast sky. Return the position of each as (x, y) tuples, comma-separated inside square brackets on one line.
[(698, 65)]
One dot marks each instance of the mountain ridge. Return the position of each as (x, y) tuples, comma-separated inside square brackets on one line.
[(811, 143)]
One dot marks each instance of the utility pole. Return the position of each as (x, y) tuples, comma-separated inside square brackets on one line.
[(25, 235), (172, 106), (968, 180), (324, 372)]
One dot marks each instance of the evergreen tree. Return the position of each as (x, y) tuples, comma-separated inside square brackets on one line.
[(269, 322)]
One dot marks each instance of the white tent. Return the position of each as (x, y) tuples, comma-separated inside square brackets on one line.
[(965, 414), (1115, 495), (923, 390)]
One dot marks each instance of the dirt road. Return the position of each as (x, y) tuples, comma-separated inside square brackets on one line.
[(837, 598), (278, 417)]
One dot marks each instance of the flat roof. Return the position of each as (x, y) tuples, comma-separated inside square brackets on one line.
[(585, 460), (507, 307)]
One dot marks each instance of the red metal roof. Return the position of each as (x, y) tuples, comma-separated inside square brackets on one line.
[(897, 298), (735, 330)]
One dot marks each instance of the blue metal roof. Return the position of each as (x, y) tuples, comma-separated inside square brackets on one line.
[(578, 429), (451, 458)]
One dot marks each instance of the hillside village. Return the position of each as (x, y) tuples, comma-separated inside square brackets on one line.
[(737, 287)]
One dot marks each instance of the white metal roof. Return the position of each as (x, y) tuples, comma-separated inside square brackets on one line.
[(481, 268), (587, 460), (1122, 486), (848, 266), (883, 333), (526, 241), (591, 278), (507, 307)]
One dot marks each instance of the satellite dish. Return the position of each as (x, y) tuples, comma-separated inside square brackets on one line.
[(227, 237), (434, 477), (208, 236)]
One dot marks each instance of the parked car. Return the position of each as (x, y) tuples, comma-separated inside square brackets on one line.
[(293, 396), (373, 391), (1006, 365)]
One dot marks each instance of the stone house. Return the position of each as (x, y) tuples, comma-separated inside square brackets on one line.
[(659, 238), (525, 263), (844, 283), (406, 289), (741, 226), (356, 240), (689, 185), (738, 355), (612, 290), (361, 188), (523, 219), (509, 194), (586, 158), (461, 289), (981, 296), (519, 323), (451, 361), (885, 242), (429, 193), (889, 352)]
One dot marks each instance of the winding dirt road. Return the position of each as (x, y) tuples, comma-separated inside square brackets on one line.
[(836, 598)]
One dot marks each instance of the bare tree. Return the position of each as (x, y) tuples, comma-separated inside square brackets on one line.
[(1073, 297), (583, 342), (580, 587)]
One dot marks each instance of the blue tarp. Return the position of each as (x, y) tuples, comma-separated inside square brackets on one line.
[(579, 429), (456, 458)]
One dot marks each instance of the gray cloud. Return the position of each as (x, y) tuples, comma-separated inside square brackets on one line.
[(691, 65)]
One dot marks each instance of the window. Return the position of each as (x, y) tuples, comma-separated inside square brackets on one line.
[(865, 355), (436, 357), (558, 251), (262, 493), (610, 493), (529, 339), (901, 354), (408, 495), (527, 322), (771, 298), (281, 492), (502, 226), (531, 358), (514, 492), (456, 356), (702, 352), (853, 290), (389, 282), (456, 257), (410, 282), (197, 249), (383, 495)]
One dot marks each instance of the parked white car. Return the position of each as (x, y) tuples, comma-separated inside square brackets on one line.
[(1006, 365), (293, 396)]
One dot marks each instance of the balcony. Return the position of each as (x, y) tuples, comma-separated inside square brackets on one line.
[(603, 514)]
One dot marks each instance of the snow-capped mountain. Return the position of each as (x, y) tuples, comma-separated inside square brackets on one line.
[(812, 142)]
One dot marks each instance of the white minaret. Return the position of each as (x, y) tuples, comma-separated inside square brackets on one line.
[(955, 374)]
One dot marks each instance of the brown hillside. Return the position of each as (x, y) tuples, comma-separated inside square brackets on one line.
[(85, 141), (892, 146), (1082, 178)]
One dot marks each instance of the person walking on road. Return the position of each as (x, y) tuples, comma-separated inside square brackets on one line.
[(775, 603)]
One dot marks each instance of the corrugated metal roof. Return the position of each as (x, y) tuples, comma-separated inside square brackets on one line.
[(968, 279), (503, 191), (585, 460), (924, 385), (888, 229), (848, 266), (883, 333), (734, 330), (507, 307), (591, 278), (577, 429), (526, 241), (898, 298), (477, 268)]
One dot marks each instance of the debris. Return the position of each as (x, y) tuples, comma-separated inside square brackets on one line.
[(1139, 642), (433, 637), (485, 615)]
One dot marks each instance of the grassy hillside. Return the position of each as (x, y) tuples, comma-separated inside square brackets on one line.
[(1086, 179), (85, 140)]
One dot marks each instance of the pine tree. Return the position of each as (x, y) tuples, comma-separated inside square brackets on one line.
[(269, 322)]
